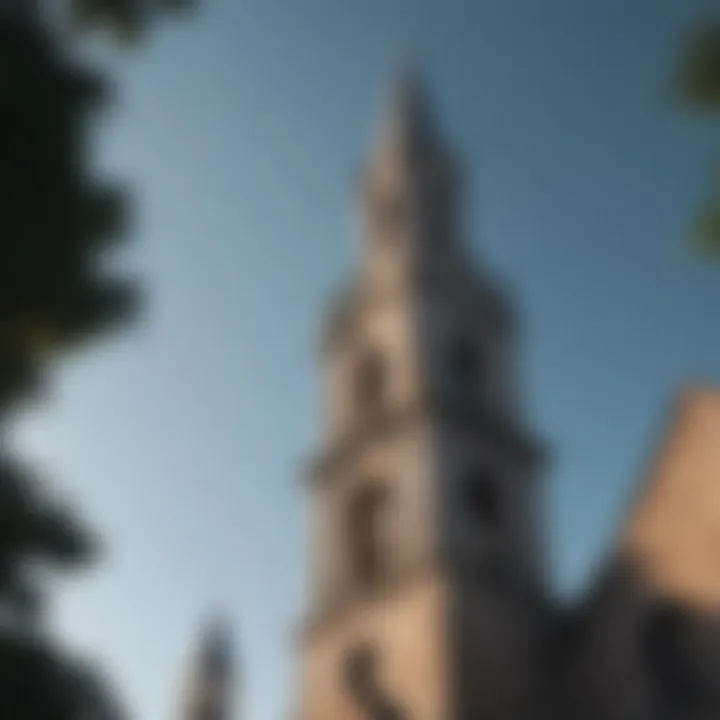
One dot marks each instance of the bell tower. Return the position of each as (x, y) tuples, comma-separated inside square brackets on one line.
[(426, 570)]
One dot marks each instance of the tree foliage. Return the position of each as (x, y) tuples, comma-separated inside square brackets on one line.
[(57, 222), (128, 19), (33, 527), (706, 228), (697, 85), (57, 218), (698, 75), (38, 681)]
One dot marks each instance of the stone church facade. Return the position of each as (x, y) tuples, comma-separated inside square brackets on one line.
[(428, 589)]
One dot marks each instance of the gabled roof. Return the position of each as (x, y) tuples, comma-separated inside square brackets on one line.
[(670, 536), (673, 531)]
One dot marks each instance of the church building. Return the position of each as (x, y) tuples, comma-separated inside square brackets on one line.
[(428, 591), (428, 585)]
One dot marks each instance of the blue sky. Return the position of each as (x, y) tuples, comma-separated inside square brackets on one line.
[(245, 128)]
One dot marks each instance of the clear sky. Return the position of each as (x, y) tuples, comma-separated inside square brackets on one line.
[(245, 128)]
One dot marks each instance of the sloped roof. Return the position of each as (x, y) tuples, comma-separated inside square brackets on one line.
[(671, 533), (673, 530)]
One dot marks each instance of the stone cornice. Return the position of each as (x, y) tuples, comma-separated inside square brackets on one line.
[(480, 291), (358, 596), (451, 569), (390, 422)]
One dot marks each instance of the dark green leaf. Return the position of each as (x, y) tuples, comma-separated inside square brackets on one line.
[(698, 78)]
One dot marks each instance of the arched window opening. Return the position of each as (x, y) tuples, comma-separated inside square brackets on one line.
[(360, 665), (482, 498), (370, 382), (368, 525), (465, 365), (363, 681)]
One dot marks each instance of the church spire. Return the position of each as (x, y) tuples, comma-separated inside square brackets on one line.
[(410, 190), (408, 122)]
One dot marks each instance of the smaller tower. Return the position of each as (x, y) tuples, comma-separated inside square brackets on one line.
[(210, 687)]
